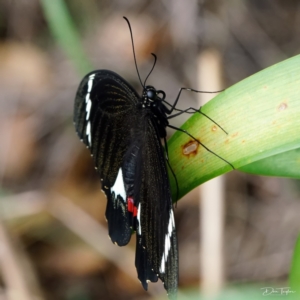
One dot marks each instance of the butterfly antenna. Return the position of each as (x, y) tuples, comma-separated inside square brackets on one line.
[(134, 51), (155, 59)]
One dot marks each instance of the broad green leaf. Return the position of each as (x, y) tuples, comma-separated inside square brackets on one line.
[(261, 115), (285, 164)]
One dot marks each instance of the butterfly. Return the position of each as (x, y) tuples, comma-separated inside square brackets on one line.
[(123, 132)]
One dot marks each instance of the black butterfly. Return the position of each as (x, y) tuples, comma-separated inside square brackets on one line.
[(123, 132)]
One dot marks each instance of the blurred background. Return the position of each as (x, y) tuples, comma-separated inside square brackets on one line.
[(53, 236)]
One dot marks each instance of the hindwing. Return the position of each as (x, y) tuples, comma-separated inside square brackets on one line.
[(156, 247)]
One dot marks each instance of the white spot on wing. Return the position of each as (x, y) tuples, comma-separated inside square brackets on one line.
[(90, 82), (88, 133), (87, 96), (172, 218), (90, 85), (118, 188), (171, 227), (162, 265), (167, 245), (88, 109), (139, 219)]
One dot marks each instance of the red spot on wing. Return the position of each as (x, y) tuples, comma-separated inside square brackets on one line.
[(130, 206)]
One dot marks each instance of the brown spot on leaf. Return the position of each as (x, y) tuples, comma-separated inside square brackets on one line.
[(282, 106), (190, 148)]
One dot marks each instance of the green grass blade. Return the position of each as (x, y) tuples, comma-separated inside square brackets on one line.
[(261, 115), (294, 276), (65, 33)]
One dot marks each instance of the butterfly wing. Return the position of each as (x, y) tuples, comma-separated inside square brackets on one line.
[(156, 247), (124, 142), (105, 117)]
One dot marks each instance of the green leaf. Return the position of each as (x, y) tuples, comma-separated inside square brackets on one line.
[(294, 276), (261, 115), (285, 164)]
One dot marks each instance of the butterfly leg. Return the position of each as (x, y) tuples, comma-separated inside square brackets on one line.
[(190, 110), (184, 131), (194, 110), (173, 107)]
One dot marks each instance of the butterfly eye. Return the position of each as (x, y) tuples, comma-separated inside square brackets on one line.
[(151, 94)]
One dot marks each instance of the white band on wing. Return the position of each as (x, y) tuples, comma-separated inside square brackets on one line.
[(171, 227), (118, 188)]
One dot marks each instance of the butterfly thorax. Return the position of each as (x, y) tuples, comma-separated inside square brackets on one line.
[(152, 100)]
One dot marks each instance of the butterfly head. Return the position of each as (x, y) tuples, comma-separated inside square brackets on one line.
[(151, 95)]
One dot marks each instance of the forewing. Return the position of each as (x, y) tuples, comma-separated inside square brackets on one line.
[(105, 115), (156, 250)]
